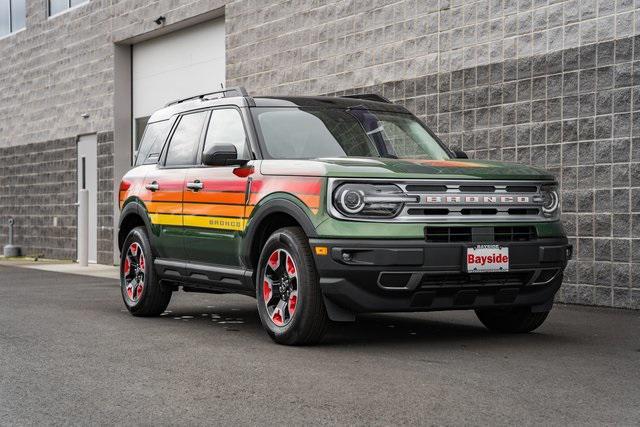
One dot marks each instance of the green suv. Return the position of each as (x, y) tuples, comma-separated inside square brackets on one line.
[(326, 207)]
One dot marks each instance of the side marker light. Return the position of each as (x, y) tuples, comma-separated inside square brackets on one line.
[(322, 250)]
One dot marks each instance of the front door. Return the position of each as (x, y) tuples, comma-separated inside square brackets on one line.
[(163, 200), (165, 186), (215, 196)]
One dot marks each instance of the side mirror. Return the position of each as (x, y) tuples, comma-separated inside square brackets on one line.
[(222, 155), (461, 155)]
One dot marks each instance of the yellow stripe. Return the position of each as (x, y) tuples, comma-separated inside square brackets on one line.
[(222, 223), (165, 219), (219, 222)]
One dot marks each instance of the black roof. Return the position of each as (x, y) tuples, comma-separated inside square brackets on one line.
[(202, 101), (324, 102)]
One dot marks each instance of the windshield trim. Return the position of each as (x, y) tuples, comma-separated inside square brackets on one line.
[(267, 156)]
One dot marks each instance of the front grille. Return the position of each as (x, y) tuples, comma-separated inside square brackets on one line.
[(514, 234), (476, 211), (465, 201), (447, 234), (465, 234), (477, 201), (519, 278)]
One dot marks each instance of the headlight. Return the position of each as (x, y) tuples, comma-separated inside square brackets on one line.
[(370, 200), (550, 200)]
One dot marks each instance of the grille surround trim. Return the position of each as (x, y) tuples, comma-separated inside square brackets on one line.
[(505, 200)]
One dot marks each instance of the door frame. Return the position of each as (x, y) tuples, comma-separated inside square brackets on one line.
[(84, 174)]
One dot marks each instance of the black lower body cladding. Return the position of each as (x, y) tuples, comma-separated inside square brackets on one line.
[(365, 275)]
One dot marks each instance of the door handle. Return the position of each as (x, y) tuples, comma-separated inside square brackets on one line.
[(195, 185), (152, 187)]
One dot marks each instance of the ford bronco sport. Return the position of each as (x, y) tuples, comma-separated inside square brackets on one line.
[(326, 207)]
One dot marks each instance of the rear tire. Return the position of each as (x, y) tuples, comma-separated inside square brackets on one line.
[(290, 302), (141, 291), (515, 320)]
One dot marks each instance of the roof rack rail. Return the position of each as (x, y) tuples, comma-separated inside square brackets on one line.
[(233, 91), (369, 97)]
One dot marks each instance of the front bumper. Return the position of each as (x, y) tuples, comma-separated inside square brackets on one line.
[(414, 275)]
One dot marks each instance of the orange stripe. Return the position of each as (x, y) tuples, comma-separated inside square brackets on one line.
[(213, 210), (235, 197), (164, 207), (163, 196), (310, 200)]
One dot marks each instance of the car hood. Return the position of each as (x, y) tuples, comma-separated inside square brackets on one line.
[(357, 167)]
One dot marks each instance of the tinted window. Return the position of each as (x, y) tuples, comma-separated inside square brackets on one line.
[(139, 129), (297, 133), (225, 127), (151, 144), (184, 142)]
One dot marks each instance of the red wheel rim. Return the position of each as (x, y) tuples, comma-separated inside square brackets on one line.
[(133, 273), (280, 287)]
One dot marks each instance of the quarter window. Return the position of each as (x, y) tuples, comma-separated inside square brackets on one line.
[(225, 127), (185, 140), (151, 144), (12, 16)]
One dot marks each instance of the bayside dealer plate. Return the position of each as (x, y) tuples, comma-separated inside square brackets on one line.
[(487, 258)]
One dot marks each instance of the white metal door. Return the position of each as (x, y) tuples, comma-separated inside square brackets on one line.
[(184, 63), (88, 179)]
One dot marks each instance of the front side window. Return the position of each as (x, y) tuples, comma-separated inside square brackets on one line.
[(57, 6), (12, 16), (183, 146), (151, 144), (225, 127), (304, 133)]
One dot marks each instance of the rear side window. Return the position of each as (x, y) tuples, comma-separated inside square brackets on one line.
[(225, 127), (183, 146), (151, 144)]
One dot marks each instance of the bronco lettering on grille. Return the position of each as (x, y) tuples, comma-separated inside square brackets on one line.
[(474, 199)]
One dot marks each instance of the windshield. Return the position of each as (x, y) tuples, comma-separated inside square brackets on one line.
[(306, 133)]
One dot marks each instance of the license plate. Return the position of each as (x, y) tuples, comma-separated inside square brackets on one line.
[(483, 258)]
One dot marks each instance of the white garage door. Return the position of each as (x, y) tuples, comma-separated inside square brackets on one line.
[(184, 63)]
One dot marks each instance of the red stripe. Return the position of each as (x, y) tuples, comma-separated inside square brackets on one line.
[(289, 184), (167, 185), (224, 185)]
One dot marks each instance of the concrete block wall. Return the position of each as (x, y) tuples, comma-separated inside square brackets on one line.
[(38, 184), (550, 83), (54, 71), (105, 197), (554, 83), (51, 74)]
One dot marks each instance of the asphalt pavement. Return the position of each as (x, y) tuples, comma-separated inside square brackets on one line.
[(71, 354)]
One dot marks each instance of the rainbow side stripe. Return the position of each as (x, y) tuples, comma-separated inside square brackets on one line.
[(221, 204)]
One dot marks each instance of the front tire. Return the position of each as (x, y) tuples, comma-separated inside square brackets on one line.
[(515, 320), (141, 291), (290, 302)]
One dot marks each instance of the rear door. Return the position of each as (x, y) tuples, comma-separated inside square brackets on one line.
[(165, 184), (214, 214)]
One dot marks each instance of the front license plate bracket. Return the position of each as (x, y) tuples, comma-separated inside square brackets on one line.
[(486, 259)]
